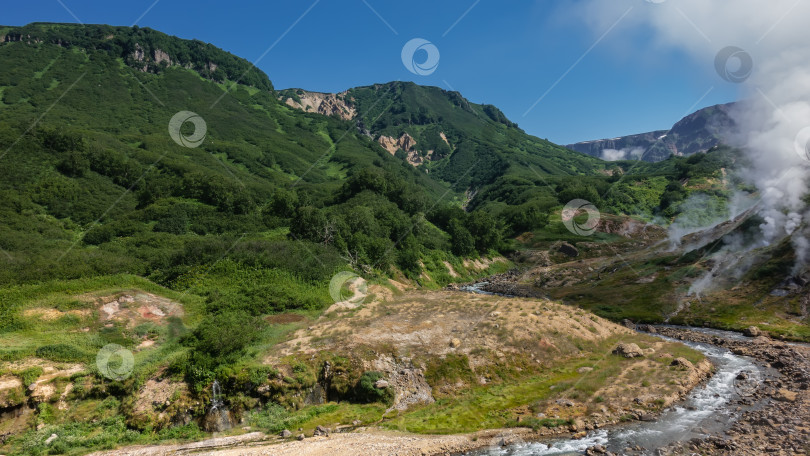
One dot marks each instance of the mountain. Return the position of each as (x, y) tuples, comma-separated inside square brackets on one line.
[(470, 146), (160, 198), (695, 133)]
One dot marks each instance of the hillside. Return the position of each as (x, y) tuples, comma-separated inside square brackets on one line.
[(468, 145), (160, 197), (695, 133)]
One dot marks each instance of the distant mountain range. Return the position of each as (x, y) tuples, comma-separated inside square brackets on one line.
[(697, 132)]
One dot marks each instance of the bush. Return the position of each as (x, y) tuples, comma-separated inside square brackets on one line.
[(61, 353), (29, 376), (365, 391)]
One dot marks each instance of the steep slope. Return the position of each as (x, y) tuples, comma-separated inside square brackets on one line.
[(145, 259), (90, 164), (468, 145), (695, 133)]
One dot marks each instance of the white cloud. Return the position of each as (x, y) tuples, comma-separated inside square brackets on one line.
[(628, 153)]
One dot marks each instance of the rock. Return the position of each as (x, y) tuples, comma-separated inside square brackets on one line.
[(630, 350), (647, 328), (584, 370), (217, 420), (682, 362), (455, 343), (300, 437), (381, 384), (320, 430), (356, 423), (594, 450), (785, 395), (568, 249), (752, 331), (564, 402), (647, 417), (51, 439), (761, 340), (628, 324), (285, 434)]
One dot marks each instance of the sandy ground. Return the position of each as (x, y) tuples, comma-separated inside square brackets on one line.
[(370, 442)]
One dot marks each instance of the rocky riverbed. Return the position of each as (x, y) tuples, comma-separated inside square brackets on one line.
[(778, 419)]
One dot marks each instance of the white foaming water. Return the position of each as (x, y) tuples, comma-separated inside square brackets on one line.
[(707, 407)]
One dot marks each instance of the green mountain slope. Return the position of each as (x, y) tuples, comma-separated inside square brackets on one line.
[(89, 162), (459, 142)]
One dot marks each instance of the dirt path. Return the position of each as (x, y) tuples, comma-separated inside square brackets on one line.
[(372, 443)]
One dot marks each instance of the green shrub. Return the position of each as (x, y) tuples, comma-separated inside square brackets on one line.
[(30, 375), (61, 353), (365, 391)]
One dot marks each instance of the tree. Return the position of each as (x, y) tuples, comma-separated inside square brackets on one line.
[(484, 230), (462, 242), (311, 224)]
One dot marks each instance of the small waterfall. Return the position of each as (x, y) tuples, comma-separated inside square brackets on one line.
[(216, 402), (218, 417)]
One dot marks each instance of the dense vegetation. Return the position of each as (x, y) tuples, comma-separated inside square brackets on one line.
[(95, 195)]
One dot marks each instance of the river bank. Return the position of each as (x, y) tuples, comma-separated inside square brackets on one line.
[(779, 421)]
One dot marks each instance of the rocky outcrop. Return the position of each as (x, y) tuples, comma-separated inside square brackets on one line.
[(217, 420), (630, 350), (752, 331), (328, 104), (407, 144), (407, 380)]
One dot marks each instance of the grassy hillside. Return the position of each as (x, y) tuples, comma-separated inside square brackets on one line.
[(199, 260)]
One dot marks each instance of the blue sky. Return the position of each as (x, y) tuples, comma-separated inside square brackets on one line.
[(508, 56)]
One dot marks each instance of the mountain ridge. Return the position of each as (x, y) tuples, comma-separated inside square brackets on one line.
[(694, 133)]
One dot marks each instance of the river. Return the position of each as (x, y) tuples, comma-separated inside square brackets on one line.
[(708, 409)]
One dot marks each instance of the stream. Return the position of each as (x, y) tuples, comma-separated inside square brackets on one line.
[(708, 409)]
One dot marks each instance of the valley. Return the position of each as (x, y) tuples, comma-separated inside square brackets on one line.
[(388, 269)]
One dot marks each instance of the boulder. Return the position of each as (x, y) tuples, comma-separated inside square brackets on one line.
[(300, 437), (595, 450), (627, 323), (752, 331), (381, 384), (647, 328), (630, 350), (682, 362), (286, 434), (785, 396), (584, 369), (568, 249), (320, 430), (455, 343)]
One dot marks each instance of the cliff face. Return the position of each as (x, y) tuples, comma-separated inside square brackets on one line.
[(695, 133), (407, 144), (328, 104)]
